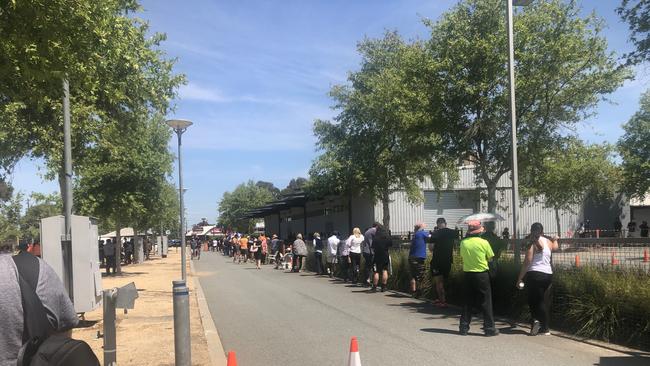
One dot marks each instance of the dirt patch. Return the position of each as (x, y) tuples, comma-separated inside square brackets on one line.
[(145, 335)]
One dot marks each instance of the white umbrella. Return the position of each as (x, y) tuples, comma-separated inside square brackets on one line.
[(482, 217)]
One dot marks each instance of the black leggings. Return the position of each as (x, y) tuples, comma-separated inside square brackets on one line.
[(537, 283), (355, 259)]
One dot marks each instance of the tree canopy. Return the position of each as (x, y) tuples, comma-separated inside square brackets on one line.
[(126, 175), (569, 172), (563, 70), (634, 147), (234, 205), (376, 145), (637, 14)]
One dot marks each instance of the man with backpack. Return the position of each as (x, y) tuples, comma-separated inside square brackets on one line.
[(37, 315)]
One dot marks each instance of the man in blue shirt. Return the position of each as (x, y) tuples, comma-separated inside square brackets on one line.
[(417, 255)]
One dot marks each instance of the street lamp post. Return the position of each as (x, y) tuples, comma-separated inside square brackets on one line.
[(182, 340), (513, 122)]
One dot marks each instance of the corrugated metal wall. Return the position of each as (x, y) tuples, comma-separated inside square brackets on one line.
[(533, 210), (467, 180), (403, 215)]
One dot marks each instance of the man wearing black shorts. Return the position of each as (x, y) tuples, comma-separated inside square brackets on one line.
[(417, 255), (443, 240)]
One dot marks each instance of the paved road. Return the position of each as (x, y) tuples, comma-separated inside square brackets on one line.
[(270, 317)]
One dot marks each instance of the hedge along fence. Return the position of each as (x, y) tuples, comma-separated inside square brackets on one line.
[(594, 302)]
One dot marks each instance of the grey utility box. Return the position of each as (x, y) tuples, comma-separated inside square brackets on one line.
[(86, 274)]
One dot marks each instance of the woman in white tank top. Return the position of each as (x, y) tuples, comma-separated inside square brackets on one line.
[(538, 275)]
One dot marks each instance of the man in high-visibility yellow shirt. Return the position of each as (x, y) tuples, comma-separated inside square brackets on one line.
[(475, 253)]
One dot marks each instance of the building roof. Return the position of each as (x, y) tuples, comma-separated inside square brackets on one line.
[(124, 232), (297, 199)]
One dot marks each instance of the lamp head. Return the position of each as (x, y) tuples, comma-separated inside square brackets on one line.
[(521, 2), (178, 124)]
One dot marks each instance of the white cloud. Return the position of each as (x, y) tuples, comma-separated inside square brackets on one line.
[(195, 92)]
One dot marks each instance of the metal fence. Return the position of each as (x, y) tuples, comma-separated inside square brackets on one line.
[(604, 252)]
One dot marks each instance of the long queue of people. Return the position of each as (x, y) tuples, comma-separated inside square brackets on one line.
[(479, 251)]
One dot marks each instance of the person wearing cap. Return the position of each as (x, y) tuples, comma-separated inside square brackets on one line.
[(443, 239), (475, 253)]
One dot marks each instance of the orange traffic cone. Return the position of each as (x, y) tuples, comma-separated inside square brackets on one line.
[(354, 359), (577, 260), (614, 260), (646, 258), (232, 359)]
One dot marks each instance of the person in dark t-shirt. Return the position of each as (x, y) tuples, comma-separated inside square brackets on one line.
[(443, 246)]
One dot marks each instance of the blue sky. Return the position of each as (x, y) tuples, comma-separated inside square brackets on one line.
[(259, 72)]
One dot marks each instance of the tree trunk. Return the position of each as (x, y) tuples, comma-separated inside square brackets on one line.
[(350, 227), (385, 200), (492, 196), (118, 250), (557, 222)]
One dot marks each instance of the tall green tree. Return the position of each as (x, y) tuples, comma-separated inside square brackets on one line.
[(126, 175), (116, 71), (569, 173), (10, 213), (376, 145), (634, 147), (563, 70), (234, 205), (637, 14), (39, 206)]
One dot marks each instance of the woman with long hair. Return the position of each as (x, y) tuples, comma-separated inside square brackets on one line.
[(354, 244), (538, 276)]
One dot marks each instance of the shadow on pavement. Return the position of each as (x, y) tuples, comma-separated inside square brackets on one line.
[(513, 330), (447, 331), (123, 274), (624, 361)]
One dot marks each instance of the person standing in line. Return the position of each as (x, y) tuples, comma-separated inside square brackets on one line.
[(243, 249), (381, 243), (332, 251), (618, 227), (109, 254), (631, 228), (299, 251), (417, 255), (443, 240), (318, 254), (275, 249), (643, 229), (354, 247), (538, 273), (475, 253), (264, 242), (236, 249), (256, 249), (343, 253), (366, 249)]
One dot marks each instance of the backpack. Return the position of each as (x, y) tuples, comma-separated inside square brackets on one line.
[(41, 346)]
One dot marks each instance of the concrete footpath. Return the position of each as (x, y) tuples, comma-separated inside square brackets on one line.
[(145, 335)]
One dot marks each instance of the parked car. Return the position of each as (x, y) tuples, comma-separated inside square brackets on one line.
[(174, 243)]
